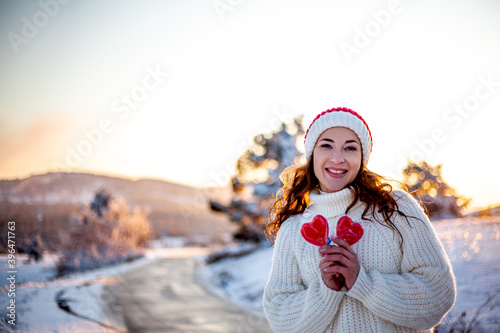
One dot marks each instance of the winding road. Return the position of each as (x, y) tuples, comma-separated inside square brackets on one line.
[(164, 296)]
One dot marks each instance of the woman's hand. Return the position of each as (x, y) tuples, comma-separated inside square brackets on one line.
[(333, 281), (339, 265)]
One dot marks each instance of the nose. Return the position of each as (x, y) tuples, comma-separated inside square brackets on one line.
[(337, 157)]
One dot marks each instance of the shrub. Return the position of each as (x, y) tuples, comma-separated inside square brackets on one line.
[(469, 321), (427, 185), (108, 231)]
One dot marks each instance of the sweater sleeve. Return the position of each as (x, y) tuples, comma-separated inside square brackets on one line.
[(288, 304), (424, 291)]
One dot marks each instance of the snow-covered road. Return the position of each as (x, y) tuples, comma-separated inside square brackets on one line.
[(39, 298), (164, 296)]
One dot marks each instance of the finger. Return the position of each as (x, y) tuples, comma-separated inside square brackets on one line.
[(326, 249), (323, 249), (336, 258), (337, 270), (326, 264), (350, 265), (341, 243), (333, 270), (333, 249)]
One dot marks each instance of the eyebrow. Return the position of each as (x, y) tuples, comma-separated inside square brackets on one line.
[(348, 141)]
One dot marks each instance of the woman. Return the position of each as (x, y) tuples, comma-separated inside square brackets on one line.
[(396, 278)]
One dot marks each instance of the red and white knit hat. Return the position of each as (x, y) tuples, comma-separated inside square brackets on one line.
[(339, 117)]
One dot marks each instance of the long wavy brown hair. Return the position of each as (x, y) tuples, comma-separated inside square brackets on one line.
[(298, 181)]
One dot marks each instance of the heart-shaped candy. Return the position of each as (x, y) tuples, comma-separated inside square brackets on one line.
[(349, 231), (316, 231)]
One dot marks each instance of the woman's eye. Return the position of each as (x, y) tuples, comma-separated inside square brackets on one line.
[(326, 145), (351, 148)]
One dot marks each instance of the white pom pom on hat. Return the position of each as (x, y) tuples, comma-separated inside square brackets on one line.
[(339, 117)]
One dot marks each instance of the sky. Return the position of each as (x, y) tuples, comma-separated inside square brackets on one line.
[(176, 90)]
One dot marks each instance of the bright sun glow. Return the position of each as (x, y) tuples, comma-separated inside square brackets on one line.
[(177, 91)]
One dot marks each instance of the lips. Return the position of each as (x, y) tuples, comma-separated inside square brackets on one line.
[(336, 172)]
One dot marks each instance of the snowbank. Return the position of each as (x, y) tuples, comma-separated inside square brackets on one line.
[(241, 280), (473, 246)]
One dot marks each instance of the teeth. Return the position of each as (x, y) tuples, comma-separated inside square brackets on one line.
[(338, 172)]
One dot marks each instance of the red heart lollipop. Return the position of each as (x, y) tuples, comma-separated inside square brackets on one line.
[(349, 231), (316, 231)]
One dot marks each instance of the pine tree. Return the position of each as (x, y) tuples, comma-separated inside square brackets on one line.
[(256, 178)]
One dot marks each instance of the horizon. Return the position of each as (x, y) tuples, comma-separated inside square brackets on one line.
[(468, 210), (176, 92)]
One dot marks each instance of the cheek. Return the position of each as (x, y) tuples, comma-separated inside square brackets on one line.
[(316, 168), (318, 162), (355, 162)]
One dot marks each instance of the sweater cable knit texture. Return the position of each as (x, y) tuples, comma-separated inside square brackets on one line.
[(407, 289)]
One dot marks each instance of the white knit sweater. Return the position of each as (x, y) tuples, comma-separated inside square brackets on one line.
[(397, 290)]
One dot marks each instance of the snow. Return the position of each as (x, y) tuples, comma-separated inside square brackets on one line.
[(241, 280), (473, 246), (37, 292)]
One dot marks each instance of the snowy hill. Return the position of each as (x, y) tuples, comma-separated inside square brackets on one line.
[(45, 203), (79, 188), (493, 211)]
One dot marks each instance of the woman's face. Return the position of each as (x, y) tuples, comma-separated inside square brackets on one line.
[(336, 158)]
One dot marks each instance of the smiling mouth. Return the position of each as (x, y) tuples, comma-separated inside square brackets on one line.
[(336, 171)]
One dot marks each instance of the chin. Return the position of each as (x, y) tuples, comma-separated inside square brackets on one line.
[(333, 189)]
